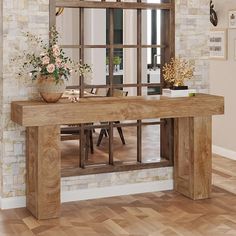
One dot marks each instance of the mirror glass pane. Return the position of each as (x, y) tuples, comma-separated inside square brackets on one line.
[(73, 53), (95, 27), (126, 150), (67, 24), (97, 59), (151, 27), (97, 145), (151, 143)]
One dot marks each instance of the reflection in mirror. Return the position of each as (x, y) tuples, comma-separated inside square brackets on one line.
[(97, 145), (151, 143), (96, 58), (130, 27), (95, 26), (67, 24), (152, 35), (73, 53), (151, 74), (125, 144)]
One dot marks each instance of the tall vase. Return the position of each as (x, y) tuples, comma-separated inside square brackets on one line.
[(50, 90)]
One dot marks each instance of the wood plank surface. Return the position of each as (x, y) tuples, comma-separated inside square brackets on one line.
[(193, 157), (164, 213), (43, 171), (88, 110), (114, 5)]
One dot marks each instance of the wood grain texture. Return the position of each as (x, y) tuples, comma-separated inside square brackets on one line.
[(43, 171), (114, 5), (193, 156), (89, 110), (151, 214)]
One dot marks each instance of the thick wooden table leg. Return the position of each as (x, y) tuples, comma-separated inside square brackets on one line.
[(193, 156), (43, 171)]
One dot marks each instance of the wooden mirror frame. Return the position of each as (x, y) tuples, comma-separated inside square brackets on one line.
[(167, 51)]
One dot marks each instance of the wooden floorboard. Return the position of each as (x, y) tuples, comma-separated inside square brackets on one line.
[(224, 173), (150, 214)]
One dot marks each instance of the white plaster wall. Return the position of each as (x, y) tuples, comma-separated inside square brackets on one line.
[(1, 97), (223, 82)]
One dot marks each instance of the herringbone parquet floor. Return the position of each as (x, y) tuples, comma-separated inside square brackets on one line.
[(152, 214)]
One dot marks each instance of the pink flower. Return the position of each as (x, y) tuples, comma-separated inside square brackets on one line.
[(59, 62), (45, 60), (55, 47), (50, 68), (56, 50)]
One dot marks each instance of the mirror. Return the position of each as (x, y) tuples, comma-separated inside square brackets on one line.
[(96, 34)]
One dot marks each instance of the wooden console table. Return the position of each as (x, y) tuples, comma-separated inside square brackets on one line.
[(192, 140)]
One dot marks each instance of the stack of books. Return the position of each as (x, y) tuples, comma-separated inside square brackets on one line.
[(178, 93)]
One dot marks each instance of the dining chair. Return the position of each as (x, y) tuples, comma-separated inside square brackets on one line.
[(73, 132), (105, 132)]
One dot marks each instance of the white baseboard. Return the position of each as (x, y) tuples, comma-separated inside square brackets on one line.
[(224, 152), (95, 193), (118, 190), (12, 202)]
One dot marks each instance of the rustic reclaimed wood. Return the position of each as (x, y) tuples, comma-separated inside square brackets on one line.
[(43, 171), (89, 110), (114, 5), (192, 140), (193, 156)]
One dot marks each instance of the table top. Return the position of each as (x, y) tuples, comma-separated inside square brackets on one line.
[(98, 109)]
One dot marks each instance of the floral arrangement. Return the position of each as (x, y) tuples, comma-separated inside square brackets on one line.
[(49, 60), (177, 71)]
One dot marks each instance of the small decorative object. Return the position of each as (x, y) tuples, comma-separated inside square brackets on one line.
[(59, 11), (176, 72), (213, 15), (218, 44), (232, 19), (117, 62), (178, 93), (48, 64), (234, 49)]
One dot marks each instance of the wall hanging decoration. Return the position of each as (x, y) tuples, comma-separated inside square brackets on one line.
[(234, 49), (232, 19), (218, 44), (213, 15), (59, 11)]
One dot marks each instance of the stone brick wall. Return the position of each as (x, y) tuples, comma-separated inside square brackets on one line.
[(18, 16), (192, 29), (116, 178), (192, 19)]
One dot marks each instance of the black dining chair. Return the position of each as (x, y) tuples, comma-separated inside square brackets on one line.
[(73, 132), (105, 132)]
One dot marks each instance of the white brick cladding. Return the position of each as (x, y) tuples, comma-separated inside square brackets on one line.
[(192, 30), (116, 178), (18, 16), (192, 23)]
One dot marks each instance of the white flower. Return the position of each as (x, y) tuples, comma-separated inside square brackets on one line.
[(45, 60), (50, 68), (30, 74)]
